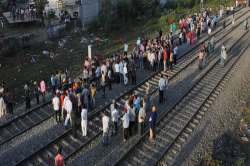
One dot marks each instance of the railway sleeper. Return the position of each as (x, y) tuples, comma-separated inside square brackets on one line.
[(150, 148), (146, 154)]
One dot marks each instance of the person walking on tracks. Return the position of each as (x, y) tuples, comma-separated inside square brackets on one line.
[(175, 54), (200, 59), (223, 55), (103, 83), (68, 106), (36, 92), (43, 89), (56, 107), (27, 96), (246, 24), (105, 129), (141, 119), (125, 125), (59, 159), (114, 118), (152, 123), (84, 120), (3, 109), (162, 86)]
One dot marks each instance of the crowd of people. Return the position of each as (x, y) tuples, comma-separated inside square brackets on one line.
[(73, 99), (22, 13)]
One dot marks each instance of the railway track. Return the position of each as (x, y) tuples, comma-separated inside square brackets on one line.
[(71, 145), (27, 120), (174, 126)]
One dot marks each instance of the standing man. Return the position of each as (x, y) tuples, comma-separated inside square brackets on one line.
[(2, 106), (152, 123), (175, 54), (56, 107), (68, 106), (117, 75), (27, 96), (103, 83), (125, 74), (84, 120), (162, 85), (141, 119), (125, 125), (126, 48), (59, 159), (36, 92), (114, 118), (246, 24), (223, 55), (43, 89), (105, 128)]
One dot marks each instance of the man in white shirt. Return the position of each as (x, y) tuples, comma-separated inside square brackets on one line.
[(138, 42), (105, 128), (162, 85), (126, 48), (121, 70), (141, 119), (84, 121), (56, 107), (117, 77), (67, 105), (125, 125), (114, 118), (125, 74)]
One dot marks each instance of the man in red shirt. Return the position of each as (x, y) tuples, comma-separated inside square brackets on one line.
[(59, 160)]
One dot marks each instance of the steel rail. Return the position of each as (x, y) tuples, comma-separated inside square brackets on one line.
[(165, 115), (97, 112)]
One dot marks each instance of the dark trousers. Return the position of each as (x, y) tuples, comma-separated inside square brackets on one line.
[(43, 95), (10, 108), (114, 128), (37, 98), (125, 133), (57, 116), (140, 128), (103, 90), (117, 78), (105, 139), (27, 102), (175, 59), (133, 79), (171, 65), (110, 84), (131, 128), (160, 96)]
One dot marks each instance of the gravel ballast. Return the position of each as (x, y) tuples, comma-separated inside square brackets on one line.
[(221, 118)]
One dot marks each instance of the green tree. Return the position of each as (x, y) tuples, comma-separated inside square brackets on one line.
[(40, 6)]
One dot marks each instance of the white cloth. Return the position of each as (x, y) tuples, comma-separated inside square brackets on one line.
[(84, 121), (223, 52), (117, 68), (56, 103), (2, 107), (125, 47), (105, 124), (125, 120), (141, 115), (114, 115), (67, 105)]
